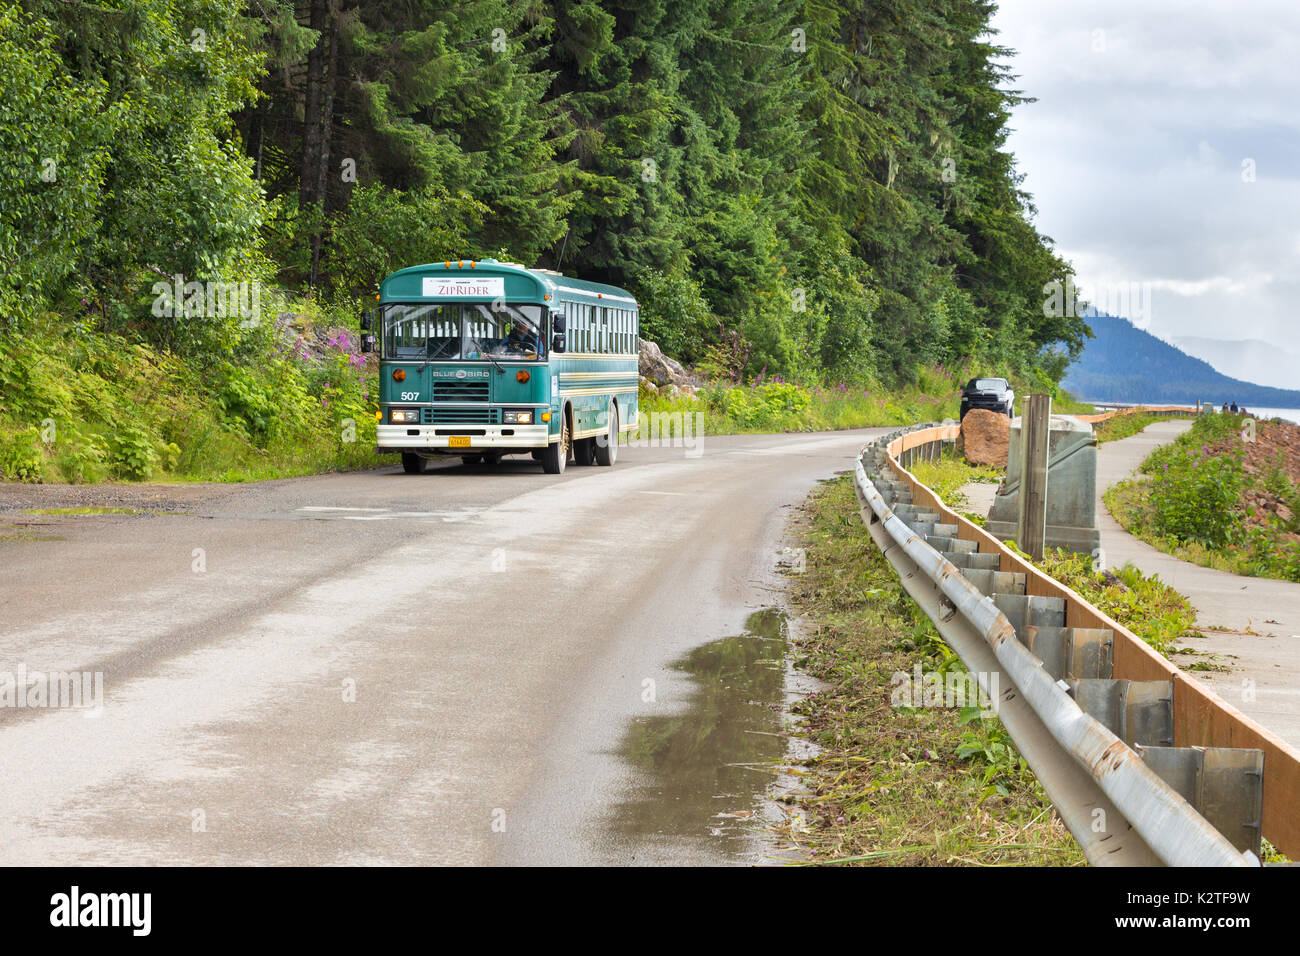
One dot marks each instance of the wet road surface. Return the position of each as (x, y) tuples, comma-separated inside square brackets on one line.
[(474, 665)]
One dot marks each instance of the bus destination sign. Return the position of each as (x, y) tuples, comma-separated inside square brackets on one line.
[(477, 287)]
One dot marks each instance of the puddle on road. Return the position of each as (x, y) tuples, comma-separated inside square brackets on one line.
[(708, 766)]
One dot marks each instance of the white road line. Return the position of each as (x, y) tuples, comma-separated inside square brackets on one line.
[(330, 513), (444, 515), (337, 508)]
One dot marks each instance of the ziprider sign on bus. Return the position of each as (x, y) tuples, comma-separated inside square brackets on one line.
[(476, 288)]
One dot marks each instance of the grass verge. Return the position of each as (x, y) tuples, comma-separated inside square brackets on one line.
[(947, 476), (727, 408), (724, 408), (81, 406), (894, 785), (1224, 495), (1143, 603), (1123, 426)]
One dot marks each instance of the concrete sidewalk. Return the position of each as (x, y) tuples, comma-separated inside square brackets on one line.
[(1253, 624)]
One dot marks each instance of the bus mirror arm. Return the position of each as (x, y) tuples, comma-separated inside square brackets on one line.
[(557, 343)]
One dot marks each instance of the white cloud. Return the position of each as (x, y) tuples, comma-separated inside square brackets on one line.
[(1134, 154)]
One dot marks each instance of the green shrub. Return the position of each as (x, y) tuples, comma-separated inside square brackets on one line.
[(132, 452), (249, 404), (83, 459), (1197, 500), (1144, 604), (779, 398), (674, 314), (21, 455)]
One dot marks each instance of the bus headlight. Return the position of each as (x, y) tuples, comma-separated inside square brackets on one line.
[(518, 416), (404, 416)]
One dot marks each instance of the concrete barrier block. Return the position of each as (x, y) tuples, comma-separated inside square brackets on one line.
[(1071, 488)]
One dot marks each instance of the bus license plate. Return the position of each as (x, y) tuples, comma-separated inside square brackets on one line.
[(459, 441)]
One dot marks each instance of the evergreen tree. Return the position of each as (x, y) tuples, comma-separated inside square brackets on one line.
[(820, 190)]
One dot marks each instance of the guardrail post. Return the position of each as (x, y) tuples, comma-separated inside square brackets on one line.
[(1035, 430)]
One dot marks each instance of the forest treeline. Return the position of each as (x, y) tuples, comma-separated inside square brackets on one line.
[(819, 189)]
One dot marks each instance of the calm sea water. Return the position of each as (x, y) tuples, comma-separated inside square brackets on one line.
[(1290, 414)]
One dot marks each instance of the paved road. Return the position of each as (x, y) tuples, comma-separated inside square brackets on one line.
[(1259, 618), (494, 628)]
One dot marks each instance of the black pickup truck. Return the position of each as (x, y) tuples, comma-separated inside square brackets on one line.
[(990, 394)]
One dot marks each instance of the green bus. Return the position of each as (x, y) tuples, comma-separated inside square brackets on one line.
[(482, 359)]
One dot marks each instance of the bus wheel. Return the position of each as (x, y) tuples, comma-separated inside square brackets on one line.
[(556, 455), (471, 459), (493, 459), (607, 445), (584, 451), (412, 464)]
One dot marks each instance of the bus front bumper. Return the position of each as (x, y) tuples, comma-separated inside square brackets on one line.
[(447, 439)]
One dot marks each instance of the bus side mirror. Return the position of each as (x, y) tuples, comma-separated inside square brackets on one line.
[(366, 321), (557, 323), (557, 342), (367, 343)]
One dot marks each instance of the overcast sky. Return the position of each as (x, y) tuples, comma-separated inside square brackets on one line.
[(1146, 111)]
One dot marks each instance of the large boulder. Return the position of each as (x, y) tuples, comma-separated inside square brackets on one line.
[(660, 369), (985, 438)]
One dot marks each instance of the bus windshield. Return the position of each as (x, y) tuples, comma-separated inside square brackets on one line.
[(440, 332)]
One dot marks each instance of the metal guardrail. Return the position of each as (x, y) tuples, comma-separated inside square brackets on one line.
[(1100, 746)]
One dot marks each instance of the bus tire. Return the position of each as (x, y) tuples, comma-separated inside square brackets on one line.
[(584, 451), (412, 463), (607, 445), (556, 455), (471, 459)]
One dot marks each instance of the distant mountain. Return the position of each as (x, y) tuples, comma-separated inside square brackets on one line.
[(1249, 359), (1126, 364)]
